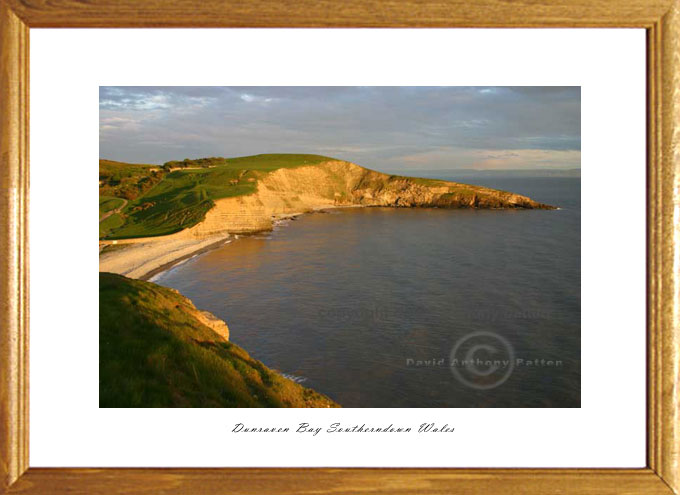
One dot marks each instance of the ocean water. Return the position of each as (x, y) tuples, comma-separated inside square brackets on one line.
[(382, 307)]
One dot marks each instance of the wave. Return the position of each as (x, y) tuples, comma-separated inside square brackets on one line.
[(161, 274), (294, 378)]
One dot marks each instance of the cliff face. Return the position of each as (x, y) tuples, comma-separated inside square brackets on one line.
[(337, 183), (377, 189)]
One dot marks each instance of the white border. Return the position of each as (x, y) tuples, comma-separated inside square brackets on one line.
[(67, 66)]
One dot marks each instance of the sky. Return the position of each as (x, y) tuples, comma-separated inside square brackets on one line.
[(384, 128)]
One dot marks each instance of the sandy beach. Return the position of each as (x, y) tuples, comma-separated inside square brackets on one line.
[(142, 260)]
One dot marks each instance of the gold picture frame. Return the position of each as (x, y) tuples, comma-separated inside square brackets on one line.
[(660, 18)]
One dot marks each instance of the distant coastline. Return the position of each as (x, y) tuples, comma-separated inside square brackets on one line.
[(471, 172)]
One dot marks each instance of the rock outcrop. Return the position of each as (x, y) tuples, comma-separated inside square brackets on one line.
[(204, 317), (213, 322)]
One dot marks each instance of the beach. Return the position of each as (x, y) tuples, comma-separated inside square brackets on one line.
[(145, 259)]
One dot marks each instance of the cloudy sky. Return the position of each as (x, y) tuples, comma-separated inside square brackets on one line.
[(384, 128)]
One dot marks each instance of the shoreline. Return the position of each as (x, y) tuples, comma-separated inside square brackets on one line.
[(154, 256), (145, 258), (170, 264)]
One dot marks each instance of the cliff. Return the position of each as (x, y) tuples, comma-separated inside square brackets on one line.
[(157, 350), (238, 195), (336, 184)]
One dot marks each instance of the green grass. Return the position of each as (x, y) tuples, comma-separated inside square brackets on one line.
[(419, 180), (153, 352), (127, 180), (273, 161), (108, 203), (109, 224), (120, 170), (182, 198)]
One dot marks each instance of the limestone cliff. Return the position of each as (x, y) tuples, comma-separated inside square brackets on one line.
[(338, 183)]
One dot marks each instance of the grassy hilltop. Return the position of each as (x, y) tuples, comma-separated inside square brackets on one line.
[(164, 200), (161, 200), (157, 350)]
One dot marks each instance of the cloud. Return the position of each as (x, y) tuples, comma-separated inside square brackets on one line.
[(527, 159), (379, 127), (128, 98), (493, 159)]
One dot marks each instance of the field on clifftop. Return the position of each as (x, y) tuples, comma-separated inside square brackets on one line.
[(166, 201)]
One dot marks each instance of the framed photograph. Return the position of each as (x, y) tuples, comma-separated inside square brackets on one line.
[(431, 259)]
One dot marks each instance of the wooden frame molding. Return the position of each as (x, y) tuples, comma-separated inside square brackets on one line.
[(661, 19)]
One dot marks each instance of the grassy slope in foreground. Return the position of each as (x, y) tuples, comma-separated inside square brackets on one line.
[(164, 202), (156, 350)]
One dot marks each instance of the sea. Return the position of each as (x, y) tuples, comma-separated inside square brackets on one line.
[(411, 307)]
